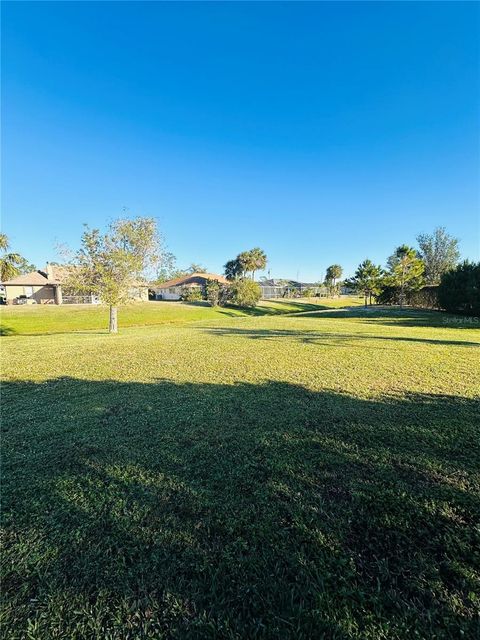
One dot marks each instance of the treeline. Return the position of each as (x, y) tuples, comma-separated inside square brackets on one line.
[(427, 276)]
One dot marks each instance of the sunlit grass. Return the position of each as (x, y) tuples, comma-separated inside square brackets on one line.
[(243, 476), (36, 319)]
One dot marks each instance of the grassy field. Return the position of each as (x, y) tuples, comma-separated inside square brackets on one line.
[(301, 476), (38, 319)]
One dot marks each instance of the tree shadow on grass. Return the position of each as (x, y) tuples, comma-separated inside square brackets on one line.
[(237, 511), (281, 308), (399, 317), (7, 331), (289, 306), (328, 338)]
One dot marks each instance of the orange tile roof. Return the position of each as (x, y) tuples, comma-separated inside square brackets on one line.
[(34, 278)]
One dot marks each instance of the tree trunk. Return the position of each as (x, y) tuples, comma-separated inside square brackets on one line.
[(113, 326), (366, 299)]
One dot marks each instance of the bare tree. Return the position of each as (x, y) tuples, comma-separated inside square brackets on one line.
[(439, 252)]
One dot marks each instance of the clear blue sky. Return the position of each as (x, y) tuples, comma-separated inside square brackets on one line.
[(320, 132)]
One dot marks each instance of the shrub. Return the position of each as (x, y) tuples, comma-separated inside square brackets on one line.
[(459, 289), (216, 293), (426, 297), (245, 293), (388, 295), (191, 294), (308, 293)]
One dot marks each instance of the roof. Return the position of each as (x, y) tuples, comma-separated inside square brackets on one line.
[(34, 278), (191, 277), (52, 274), (58, 272)]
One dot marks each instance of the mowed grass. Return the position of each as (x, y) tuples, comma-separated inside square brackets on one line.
[(270, 476), (37, 319)]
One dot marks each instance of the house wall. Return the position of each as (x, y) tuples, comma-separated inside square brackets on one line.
[(172, 293), (139, 293), (45, 294), (175, 292), (41, 294), (143, 294)]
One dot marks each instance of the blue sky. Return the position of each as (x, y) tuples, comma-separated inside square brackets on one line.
[(321, 132)]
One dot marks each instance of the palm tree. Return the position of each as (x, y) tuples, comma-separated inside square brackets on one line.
[(195, 267), (9, 266), (232, 269), (258, 260), (245, 262), (9, 262), (334, 272)]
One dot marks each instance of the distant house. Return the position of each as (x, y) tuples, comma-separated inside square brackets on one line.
[(36, 287), (45, 287), (172, 289)]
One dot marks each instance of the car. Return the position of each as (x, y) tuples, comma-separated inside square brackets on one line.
[(25, 300)]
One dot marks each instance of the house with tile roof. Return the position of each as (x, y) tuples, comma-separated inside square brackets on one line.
[(46, 287), (173, 289), (36, 287)]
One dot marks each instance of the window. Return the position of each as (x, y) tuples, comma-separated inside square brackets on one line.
[(28, 291)]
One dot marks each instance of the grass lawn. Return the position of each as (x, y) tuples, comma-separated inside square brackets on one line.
[(223, 475), (39, 319)]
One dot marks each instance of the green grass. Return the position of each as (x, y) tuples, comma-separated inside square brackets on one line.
[(37, 319), (266, 476)]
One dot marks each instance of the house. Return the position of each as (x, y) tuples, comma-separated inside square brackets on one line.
[(173, 289), (45, 287), (36, 287)]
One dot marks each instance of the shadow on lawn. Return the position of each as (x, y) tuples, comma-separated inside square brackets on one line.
[(7, 331), (282, 307), (394, 316), (328, 338), (290, 306), (237, 511)]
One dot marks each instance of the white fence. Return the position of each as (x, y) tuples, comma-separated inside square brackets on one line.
[(80, 300), (291, 292)]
